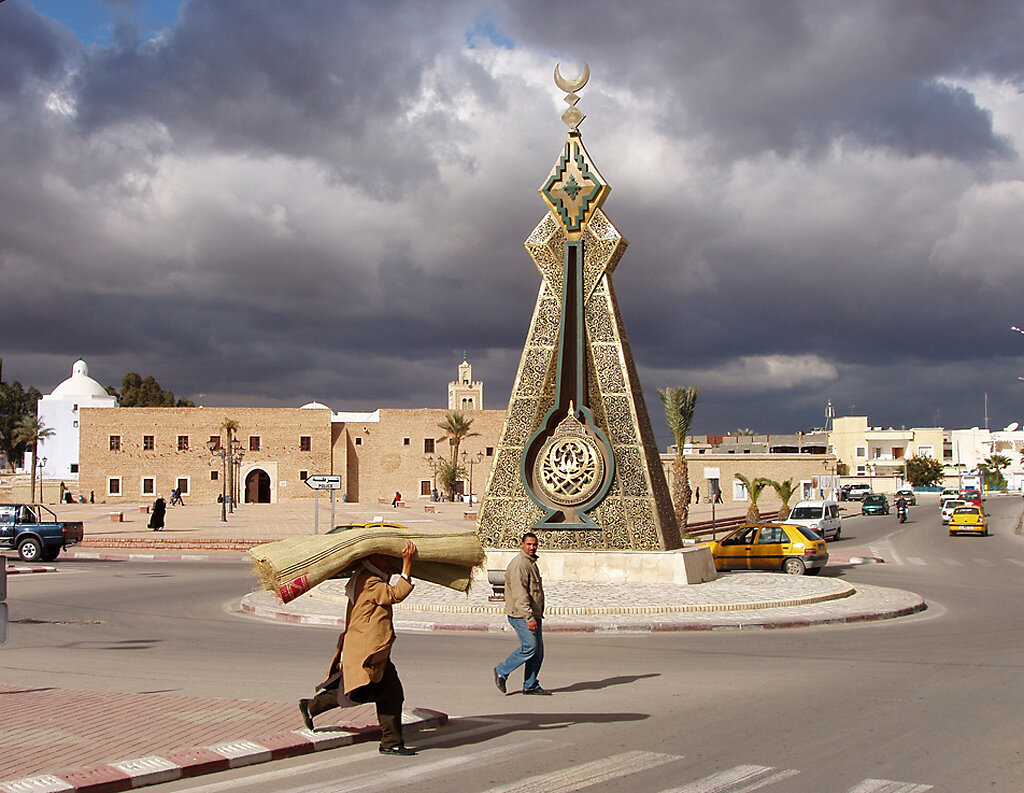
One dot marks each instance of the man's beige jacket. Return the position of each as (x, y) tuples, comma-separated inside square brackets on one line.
[(524, 590)]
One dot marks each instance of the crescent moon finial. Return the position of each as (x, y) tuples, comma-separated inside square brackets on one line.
[(572, 86)]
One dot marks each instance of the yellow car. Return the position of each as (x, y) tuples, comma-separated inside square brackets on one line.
[(968, 519), (771, 546)]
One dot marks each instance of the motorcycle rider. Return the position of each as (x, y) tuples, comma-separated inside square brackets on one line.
[(901, 507)]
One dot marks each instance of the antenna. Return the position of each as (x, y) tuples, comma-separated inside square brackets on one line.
[(986, 410)]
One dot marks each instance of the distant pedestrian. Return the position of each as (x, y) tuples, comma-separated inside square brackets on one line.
[(62, 489), (176, 498), (696, 496), (92, 496), (396, 499), (156, 519), (524, 606)]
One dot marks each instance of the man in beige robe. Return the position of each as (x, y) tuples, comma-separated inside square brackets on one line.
[(363, 656)]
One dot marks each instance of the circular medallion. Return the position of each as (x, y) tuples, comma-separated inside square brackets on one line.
[(569, 469)]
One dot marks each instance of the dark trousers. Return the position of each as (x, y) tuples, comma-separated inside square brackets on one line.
[(387, 694)]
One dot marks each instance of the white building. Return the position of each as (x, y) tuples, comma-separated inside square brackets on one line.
[(973, 446), (59, 411)]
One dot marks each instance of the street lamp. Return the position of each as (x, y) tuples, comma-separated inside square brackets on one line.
[(433, 464), (235, 456), (42, 465), (471, 461), (216, 448)]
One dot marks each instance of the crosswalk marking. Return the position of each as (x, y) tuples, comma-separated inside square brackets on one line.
[(983, 562), (583, 776), (888, 786), (916, 560), (1017, 562), (741, 779), (952, 562)]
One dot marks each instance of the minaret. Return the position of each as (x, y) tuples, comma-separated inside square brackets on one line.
[(465, 393), (577, 461)]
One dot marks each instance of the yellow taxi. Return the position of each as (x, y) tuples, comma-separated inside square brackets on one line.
[(771, 546), (969, 519)]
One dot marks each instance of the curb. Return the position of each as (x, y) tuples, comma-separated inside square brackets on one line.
[(918, 605), (155, 769), (24, 570), (128, 556)]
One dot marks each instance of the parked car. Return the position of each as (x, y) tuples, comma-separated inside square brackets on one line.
[(34, 531), (771, 546), (874, 504), (855, 491), (949, 505), (822, 516), (907, 494), (972, 496), (968, 518)]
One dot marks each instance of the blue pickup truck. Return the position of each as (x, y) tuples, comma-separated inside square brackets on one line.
[(34, 531)]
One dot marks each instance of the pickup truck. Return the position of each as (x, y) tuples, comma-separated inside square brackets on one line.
[(34, 531)]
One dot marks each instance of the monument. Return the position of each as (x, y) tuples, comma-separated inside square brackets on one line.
[(577, 463)]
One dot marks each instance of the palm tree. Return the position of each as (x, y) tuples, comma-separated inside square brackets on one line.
[(448, 473), (456, 427), (785, 491), (680, 402), (31, 430), (754, 489), (992, 469)]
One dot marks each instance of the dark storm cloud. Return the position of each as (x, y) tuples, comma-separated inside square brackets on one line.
[(272, 203)]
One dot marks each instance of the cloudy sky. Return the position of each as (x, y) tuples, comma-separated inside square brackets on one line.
[(263, 203)]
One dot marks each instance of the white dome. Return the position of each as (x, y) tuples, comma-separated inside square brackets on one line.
[(314, 405), (79, 384)]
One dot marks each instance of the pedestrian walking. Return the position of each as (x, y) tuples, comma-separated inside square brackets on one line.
[(156, 518), (176, 500), (524, 606), (361, 670), (396, 499)]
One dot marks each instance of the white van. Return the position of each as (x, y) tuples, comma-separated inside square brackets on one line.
[(822, 516)]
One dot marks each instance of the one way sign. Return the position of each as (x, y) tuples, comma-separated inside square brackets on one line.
[(324, 481)]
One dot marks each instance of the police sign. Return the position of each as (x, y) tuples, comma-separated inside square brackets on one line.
[(324, 481)]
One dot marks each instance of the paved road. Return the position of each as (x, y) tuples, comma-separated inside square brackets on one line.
[(931, 702)]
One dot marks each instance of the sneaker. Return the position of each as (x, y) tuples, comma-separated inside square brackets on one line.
[(499, 681), (401, 749), (304, 710), (537, 690)]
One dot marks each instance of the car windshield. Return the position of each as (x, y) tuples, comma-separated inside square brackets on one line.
[(805, 513), (810, 534)]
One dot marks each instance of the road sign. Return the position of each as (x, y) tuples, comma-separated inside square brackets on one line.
[(324, 481)]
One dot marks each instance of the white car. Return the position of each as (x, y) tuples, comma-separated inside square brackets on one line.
[(949, 505), (949, 492)]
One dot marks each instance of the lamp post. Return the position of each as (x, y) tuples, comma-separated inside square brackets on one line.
[(236, 457), (42, 465), (471, 461), (216, 448), (432, 464)]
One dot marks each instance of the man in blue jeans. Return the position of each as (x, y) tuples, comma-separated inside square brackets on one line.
[(524, 605)]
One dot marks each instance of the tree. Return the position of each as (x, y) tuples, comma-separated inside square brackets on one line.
[(785, 491), (145, 392), (744, 431), (456, 427), (16, 403), (680, 403), (923, 471), (230, 428), (754, 489), (30, 430), (992, 469), (448, 474)]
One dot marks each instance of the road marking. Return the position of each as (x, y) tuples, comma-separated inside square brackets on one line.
[(740, 779), (1017, 562), (888, 786), (582, 776), (492, 726), (953, 562), (916, 560), (984, 562)]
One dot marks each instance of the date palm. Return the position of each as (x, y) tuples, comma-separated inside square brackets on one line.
[(785, 491), (30, 430), (754, 489), (680, 402), (457, 427)]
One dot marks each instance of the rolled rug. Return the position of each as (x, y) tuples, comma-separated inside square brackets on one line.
[(295, 565)]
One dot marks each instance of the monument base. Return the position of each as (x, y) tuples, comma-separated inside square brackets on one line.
[(690, 565)]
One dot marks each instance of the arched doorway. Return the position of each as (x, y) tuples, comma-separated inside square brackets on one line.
[(257, 487)]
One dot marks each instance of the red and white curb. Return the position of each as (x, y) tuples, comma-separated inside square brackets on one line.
[(25, 570), (155, 769)]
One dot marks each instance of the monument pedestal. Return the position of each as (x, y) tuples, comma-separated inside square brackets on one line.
[(690, 565)]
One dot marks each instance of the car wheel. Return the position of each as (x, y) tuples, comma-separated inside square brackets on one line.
[(50, 554), (30, 549), (794, 566)]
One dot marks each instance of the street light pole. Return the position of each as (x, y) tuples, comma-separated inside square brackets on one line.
[(42, 466), (220, 451), (471, 461)]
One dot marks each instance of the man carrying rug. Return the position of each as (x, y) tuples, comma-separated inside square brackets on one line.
[(366, 673)]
